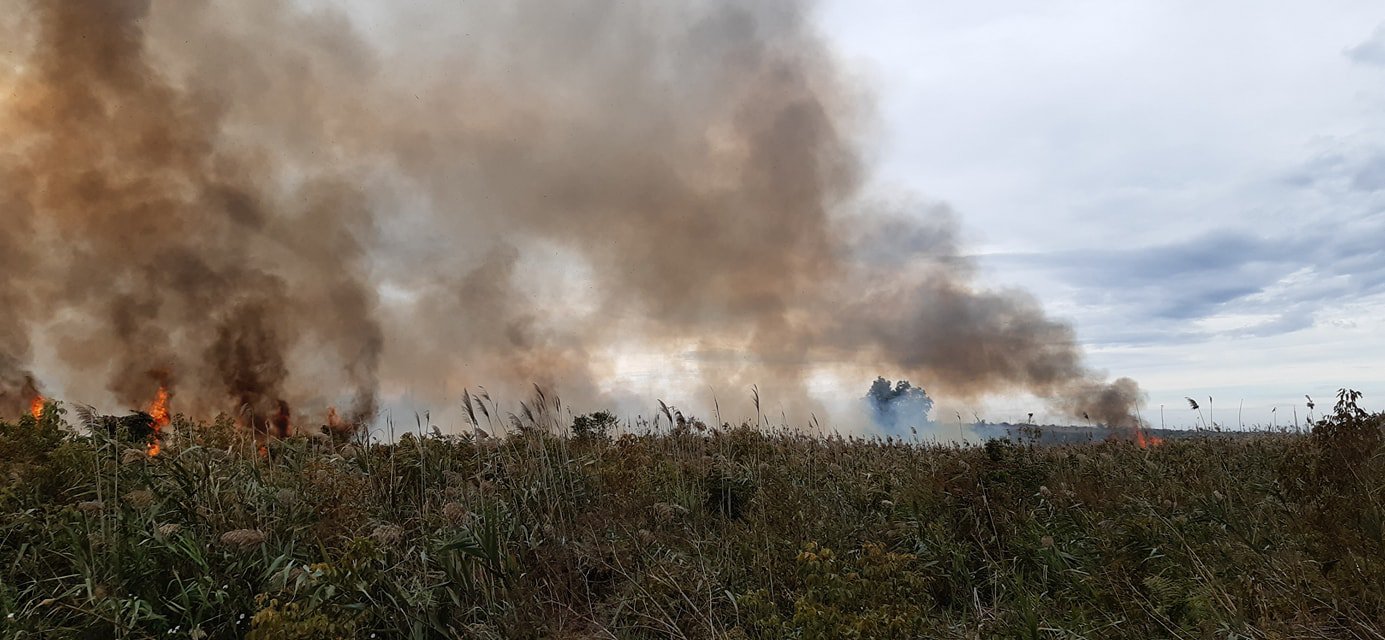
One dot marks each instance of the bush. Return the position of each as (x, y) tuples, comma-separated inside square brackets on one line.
[(594, 426)]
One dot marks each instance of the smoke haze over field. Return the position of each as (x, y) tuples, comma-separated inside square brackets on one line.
[(262, 202)]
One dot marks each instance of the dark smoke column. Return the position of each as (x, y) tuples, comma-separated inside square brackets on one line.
[(171, 256)]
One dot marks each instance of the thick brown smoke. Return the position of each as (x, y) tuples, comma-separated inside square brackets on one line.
[(155, 244), (268, 202)]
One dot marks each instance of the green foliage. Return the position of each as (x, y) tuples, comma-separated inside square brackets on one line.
[(729, 488), (874, 593), (597, 425), (297, 621), (697, 533), (1340, 486)]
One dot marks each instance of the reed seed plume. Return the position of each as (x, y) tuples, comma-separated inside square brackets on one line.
[(274, 208)]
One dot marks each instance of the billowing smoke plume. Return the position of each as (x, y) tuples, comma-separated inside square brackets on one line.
[(157, 250), (271, 206)]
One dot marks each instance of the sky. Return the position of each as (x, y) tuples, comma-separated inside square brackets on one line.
[(1197, 187)]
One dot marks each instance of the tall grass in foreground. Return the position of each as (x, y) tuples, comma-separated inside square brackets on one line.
[(716, 533)]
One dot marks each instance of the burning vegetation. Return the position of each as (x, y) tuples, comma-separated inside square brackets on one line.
[(158, 413), (1145, 441)]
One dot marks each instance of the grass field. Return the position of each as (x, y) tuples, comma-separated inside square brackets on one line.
[(700, 533)]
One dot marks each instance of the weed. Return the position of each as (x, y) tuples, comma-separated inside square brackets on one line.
[(722, 532)]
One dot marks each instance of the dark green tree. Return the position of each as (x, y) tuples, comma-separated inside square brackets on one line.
[(897, 407)]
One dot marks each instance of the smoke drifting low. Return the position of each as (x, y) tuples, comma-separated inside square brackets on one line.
[(270, 207)]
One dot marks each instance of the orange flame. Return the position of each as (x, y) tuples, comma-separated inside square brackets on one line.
[(158, 409), (1144, 441), (36, 407)]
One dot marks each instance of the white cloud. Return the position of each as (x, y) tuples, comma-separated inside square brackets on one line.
[(1372, 51), (1231, 145)]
